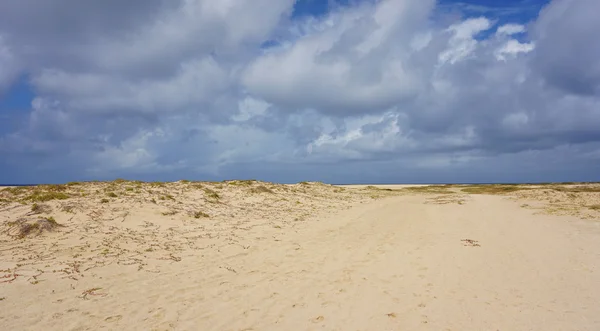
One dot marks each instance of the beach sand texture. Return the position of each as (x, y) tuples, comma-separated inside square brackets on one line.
[(247, 255)]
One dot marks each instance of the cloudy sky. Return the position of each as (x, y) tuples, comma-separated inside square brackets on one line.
[(341, 91)]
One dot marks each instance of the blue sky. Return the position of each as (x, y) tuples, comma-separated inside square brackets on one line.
[(339, 91)]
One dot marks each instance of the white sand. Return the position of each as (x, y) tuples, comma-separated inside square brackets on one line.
[(396, 263)]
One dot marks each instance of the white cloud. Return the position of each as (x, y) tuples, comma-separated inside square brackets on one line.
[(513, 48), (462, 43), (510, 29), (359, 54)]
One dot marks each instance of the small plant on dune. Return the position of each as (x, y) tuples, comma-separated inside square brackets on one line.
[(184, 181), (578, 189), (120, 180), (153, 200), (23, 228), (434, 189), (242, 182), (212, 194), (261, 189), (493, 189), (53, 188), (111, 194), (200, 214), (47, 196), (18, 190), (129, 189), (38, 208), (105, 200), (594, 207)]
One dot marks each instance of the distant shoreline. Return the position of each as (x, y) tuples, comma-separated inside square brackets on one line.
[(364, 184)]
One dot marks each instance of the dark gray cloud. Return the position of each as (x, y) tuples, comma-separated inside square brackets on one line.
[(566, 53)]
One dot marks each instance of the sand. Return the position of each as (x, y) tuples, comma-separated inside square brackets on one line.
[(298, 257)]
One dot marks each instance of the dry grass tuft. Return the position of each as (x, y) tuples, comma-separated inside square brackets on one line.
[(432, 189), (212, 194), (23, 228), (261, 189), (39, 208), (39, 196), (577, 189), (494, 189), (200, 214)]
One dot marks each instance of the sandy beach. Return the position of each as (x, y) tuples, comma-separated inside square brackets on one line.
[(246, 255)]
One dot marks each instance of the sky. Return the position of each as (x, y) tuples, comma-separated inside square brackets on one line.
[(340, 91)]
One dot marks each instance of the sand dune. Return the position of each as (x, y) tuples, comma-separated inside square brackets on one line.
[(258, 256)]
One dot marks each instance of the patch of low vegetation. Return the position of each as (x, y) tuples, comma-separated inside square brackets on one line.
[(200, 214), (40, 196), (578, 189), (104, 200), (211, 194), (241, 182), (169, 213), (23, 228), (375, 188), (494, 189), (16, 191), (184, 181), (53, 188), (39, 208), (167, 197), (594, 207), (261, 189), (432, 189), (111, 195), (68, 208)]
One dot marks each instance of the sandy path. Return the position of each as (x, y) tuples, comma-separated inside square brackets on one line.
[(394, 264)]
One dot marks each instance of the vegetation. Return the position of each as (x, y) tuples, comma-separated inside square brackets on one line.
[(46, 196), (200, 214), (261, 189), (212, 194), (578, 189), (23, 228), (38, 208), (494, 189), (111, 194), (434, 189)]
